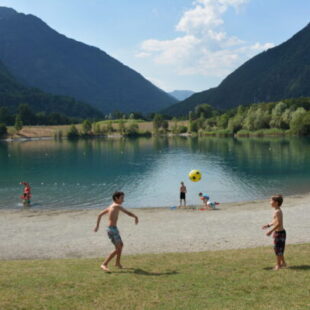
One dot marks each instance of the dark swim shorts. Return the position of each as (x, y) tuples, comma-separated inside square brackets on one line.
[(279, 242), (114, 235), (182, 195)]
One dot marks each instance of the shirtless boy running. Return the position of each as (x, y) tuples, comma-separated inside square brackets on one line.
[(279, 233), (113, 233)]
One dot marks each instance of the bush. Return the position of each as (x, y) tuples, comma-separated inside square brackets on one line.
[(87, 127), (73, 133), (18, 123), (132, 130), (182, 129)]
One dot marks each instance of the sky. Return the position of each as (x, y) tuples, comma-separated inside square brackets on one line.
[(176, 44)]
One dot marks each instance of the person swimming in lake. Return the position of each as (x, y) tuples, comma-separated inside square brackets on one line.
[(26, 194), (207, 204)]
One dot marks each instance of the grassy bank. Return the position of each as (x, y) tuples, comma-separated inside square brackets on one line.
[(143, 127), (234, 279)]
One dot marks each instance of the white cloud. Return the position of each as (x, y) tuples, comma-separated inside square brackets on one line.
[(203, 48)]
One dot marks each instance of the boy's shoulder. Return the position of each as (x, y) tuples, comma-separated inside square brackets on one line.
[(115, 206)]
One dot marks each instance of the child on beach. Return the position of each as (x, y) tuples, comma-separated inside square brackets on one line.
[(183, 192), (279, 233), (26, 194), (208, 205), (112, 231)]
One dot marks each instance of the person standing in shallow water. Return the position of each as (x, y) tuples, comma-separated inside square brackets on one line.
[(26, 194), (183, 192)]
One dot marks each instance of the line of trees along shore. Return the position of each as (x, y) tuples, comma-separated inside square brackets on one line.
[(290, 116)]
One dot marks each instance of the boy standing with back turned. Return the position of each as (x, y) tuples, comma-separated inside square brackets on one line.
[(113, 233), (279, 233)]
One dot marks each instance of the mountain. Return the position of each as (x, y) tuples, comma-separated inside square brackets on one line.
[(12, 94), (38, 56), (278, 73), (181, 94)]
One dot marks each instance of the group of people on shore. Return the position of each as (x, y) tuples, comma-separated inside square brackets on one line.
[(277, 230), (207, 204)]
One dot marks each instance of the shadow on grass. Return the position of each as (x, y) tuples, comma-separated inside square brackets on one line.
[(142, 272), (301, 267)]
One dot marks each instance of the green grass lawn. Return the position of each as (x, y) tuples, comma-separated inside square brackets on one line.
[(234, 279)]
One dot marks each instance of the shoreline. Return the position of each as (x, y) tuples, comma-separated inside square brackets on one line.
[(46, 234)]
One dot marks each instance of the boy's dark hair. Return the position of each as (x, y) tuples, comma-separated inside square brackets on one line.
[(117, 195), (200, 194), (278, 199)]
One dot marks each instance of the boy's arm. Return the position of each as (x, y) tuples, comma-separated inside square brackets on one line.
[(130, 214), (105, 211), (275, 223), (270, 224)]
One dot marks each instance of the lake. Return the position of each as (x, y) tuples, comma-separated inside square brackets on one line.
[(85, 173)]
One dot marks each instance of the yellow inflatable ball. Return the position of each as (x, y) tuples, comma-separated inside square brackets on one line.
[(195, 175)]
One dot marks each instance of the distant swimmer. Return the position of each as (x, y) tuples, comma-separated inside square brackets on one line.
[(183, 192), (26, 197)]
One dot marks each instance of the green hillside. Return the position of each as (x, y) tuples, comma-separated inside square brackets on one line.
[(278, 73), (40, 57), (12, 94)]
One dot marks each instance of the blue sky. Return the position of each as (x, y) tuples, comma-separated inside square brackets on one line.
[(176, 44)]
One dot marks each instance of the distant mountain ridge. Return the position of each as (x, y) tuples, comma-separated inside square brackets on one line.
[(278, 73), (12, 94), (181, 94), (41, 57)]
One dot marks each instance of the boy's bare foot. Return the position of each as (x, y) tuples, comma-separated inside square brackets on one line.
[(105, 268), (119, 266), (276, 267)]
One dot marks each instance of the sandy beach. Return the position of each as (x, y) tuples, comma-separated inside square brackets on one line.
[(33, 234)]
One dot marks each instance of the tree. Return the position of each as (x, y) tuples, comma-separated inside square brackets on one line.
[(110, 127), (3, 130), (18, 123), (206, 109), (261, 119), (4, 115), (248, 122), (73, 133), (86, 125), (97, 129), (117, 114), (121, 126), (174, 126), (26, 115), (286, 118), (276, 116), (190, 121), (132, 130), (222, 121), (157, 122), (165, 125), (297, 123), (235, 123)]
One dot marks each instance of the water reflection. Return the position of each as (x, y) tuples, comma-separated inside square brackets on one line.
[(83, 174)]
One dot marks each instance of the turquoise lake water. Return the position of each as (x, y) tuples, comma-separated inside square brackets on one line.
[(84, 174)]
